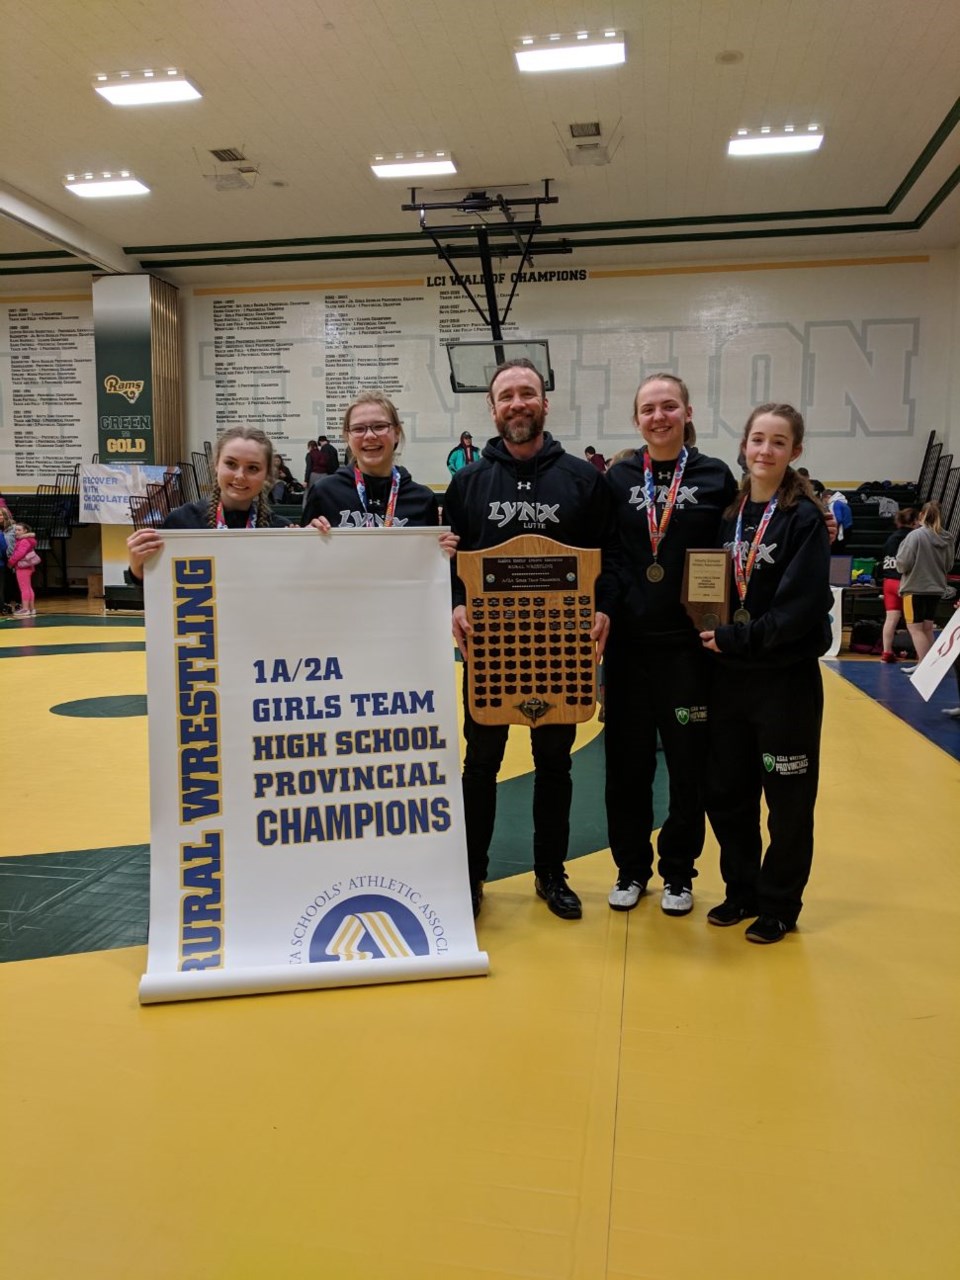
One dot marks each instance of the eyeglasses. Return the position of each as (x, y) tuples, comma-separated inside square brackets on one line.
[(378, 429)]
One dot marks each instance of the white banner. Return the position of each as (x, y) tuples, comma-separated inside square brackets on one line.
[(306, 812), (939, 659), (106, 489)]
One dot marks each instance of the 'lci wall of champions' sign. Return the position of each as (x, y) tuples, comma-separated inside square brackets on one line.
[(306, 813)]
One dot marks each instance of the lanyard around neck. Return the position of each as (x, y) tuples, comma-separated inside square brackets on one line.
[(391, 501), (251, 517), (743, 572), (658, 530)]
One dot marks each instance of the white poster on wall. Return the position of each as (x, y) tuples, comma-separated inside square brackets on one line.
[(306, 811), (106, 489), (48, 394)]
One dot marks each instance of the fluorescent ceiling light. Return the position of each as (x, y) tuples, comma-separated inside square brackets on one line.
[(139, 88), (421, 164), (571, 52), (95, 186), (774, 144)]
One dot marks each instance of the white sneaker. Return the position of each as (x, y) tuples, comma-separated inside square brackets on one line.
[(625, 894), (676, 899), (909, 670)]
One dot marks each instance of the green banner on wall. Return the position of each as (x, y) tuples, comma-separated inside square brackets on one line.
[(121, 334)]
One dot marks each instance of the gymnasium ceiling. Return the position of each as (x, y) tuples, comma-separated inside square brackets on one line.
[(310, 90)]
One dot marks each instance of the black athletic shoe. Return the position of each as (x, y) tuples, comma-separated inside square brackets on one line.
[(767, 929), (552, 887), (727, 913), (476, 897)]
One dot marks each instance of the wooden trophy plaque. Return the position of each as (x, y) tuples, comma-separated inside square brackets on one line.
[(531, 661), (706, 587)]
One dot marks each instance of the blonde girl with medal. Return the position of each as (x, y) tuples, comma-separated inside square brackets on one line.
[(243, 470), (766, 703), (667, 497)]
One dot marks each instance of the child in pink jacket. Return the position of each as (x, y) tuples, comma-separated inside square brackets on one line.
[(23, 561)]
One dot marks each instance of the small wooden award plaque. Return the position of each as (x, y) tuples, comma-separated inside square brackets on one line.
[(706, 587), (530, 660)]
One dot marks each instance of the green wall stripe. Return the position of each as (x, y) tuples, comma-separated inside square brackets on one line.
[(505, 250)]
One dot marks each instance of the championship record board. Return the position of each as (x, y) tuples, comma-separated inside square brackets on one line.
[(531, 661)]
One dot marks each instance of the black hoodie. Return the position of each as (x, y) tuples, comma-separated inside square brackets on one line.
[(651, 611), (336, 498), (551, 494), (788, 595)]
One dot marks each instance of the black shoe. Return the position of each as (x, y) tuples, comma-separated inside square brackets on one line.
[(767, 929), (476, 897), (728, 913), (552, 887)]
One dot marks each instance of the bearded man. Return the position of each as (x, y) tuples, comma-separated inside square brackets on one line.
[(525, 483)]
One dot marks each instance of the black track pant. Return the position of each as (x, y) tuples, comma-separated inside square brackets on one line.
[(646, 690), (552, 791), (765, 737)]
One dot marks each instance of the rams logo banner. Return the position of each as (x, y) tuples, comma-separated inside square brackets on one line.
[(306, 811), (117, 387)]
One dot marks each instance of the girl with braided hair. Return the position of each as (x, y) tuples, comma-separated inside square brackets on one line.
[(243, 468)]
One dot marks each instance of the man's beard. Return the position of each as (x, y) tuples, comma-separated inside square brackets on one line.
[(521, 428)]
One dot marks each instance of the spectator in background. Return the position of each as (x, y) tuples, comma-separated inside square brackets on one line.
[(322, 460), (924, 560), (888, 579), (285, 487), (815, 485), (308, 461), (840, 510), (6, 525), (462, 454), (24, 560), (595, 459)]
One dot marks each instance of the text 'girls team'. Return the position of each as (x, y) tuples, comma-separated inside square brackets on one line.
[(737, 709)]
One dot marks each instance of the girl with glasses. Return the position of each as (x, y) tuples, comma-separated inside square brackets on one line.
[(372, 492)]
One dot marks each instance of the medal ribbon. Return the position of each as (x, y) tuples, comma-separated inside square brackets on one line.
[(657, 532), (742, 572), (251, 517), (391, 501)]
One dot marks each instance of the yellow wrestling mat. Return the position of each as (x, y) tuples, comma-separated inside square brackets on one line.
[(629, 1096)]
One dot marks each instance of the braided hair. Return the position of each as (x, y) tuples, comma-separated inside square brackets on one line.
[(242, 432)]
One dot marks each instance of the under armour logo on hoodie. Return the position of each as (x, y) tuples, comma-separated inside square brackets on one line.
[(522, 485), (525, 513)]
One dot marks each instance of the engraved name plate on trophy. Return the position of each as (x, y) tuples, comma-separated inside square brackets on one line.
[(530, 659), (706, 587)]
